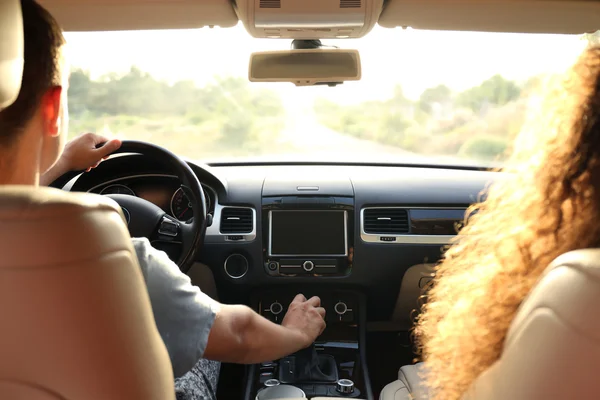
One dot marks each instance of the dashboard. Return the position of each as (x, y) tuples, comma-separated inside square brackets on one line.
[(377, 229)]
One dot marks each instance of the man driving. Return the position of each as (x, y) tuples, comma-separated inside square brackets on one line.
[(194, 327)]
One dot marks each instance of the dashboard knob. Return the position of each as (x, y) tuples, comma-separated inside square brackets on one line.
[(308, 266), (340, 308), (345, 386), (276, 308)]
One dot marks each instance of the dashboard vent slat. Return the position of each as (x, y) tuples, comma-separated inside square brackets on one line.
[(350, 3), (385, 221), (236, 220), (270, 3)]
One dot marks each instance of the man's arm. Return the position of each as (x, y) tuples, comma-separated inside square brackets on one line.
[(240, 335), (194, 326), (80, 154)]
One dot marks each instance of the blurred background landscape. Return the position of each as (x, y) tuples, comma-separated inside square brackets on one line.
[(226, 117), (231, 118)]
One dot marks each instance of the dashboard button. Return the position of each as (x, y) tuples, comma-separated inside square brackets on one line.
[(308, 266), (341, 308), (273, 266), (276, 308)]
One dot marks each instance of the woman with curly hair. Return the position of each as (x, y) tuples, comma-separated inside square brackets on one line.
[(547, 204)]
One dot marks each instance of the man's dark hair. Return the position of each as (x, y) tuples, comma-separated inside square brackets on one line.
[(43, 40)]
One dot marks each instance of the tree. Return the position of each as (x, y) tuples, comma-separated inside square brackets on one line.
[(495, 91), (436, 95)]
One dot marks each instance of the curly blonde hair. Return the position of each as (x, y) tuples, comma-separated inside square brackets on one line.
[(548, 205)]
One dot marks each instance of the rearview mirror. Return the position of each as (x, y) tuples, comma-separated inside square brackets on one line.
[(305, 67)]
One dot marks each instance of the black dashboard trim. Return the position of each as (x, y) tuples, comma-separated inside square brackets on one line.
[(349, 164)]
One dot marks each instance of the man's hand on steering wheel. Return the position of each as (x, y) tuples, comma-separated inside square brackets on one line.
[(87, 151), (81, 154)]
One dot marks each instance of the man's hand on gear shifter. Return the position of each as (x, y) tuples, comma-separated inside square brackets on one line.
[(306, 318)]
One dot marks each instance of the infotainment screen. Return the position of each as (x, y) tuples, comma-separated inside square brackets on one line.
[(307, 233)]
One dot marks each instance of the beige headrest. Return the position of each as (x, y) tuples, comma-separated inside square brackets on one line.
[(11, 51), (74, 310)]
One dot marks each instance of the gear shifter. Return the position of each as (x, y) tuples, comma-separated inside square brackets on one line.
[(308, 366)]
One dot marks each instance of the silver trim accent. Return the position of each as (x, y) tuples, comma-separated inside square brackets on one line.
[(206, 196), (272, 382), (344, 386), (166, 233), (270, 253), (227, 272), (213, 232), (405, 238), (274, 304), (308, 266), (343, 306), (307, 188)]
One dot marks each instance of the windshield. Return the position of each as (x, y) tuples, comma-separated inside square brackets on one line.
[(424, 96)]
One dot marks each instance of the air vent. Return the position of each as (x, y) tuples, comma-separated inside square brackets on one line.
[(272, 3), (350, 3), (236, 220), (385, 221)]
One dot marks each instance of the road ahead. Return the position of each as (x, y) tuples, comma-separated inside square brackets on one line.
[(308, 137)]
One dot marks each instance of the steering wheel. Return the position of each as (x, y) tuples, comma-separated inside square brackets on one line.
[(145, 219)]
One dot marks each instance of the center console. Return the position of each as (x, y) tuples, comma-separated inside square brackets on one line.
[(335, 365), (308, 232)]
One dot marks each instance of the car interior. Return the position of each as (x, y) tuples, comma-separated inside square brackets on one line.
[(364, 236)]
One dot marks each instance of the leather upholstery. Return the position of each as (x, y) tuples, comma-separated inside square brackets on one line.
[(408, 386), (11, 51), (552, 348), (75, 314)]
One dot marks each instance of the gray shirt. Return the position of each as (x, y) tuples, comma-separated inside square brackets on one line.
[(183, 314)]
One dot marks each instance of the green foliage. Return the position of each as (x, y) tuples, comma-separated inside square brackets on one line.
[(436, 95), (477, 123), (484, 147), (495, 91), (228, 117), (224, 113)]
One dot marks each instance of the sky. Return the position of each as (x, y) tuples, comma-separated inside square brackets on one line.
[(415, 59)]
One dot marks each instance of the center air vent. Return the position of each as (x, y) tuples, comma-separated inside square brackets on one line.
[(350, 3), (236, 220), (270, 3), (385, 221)]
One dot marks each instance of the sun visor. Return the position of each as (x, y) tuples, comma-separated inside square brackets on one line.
[(11, 51), (523, 16), (116, 15)]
